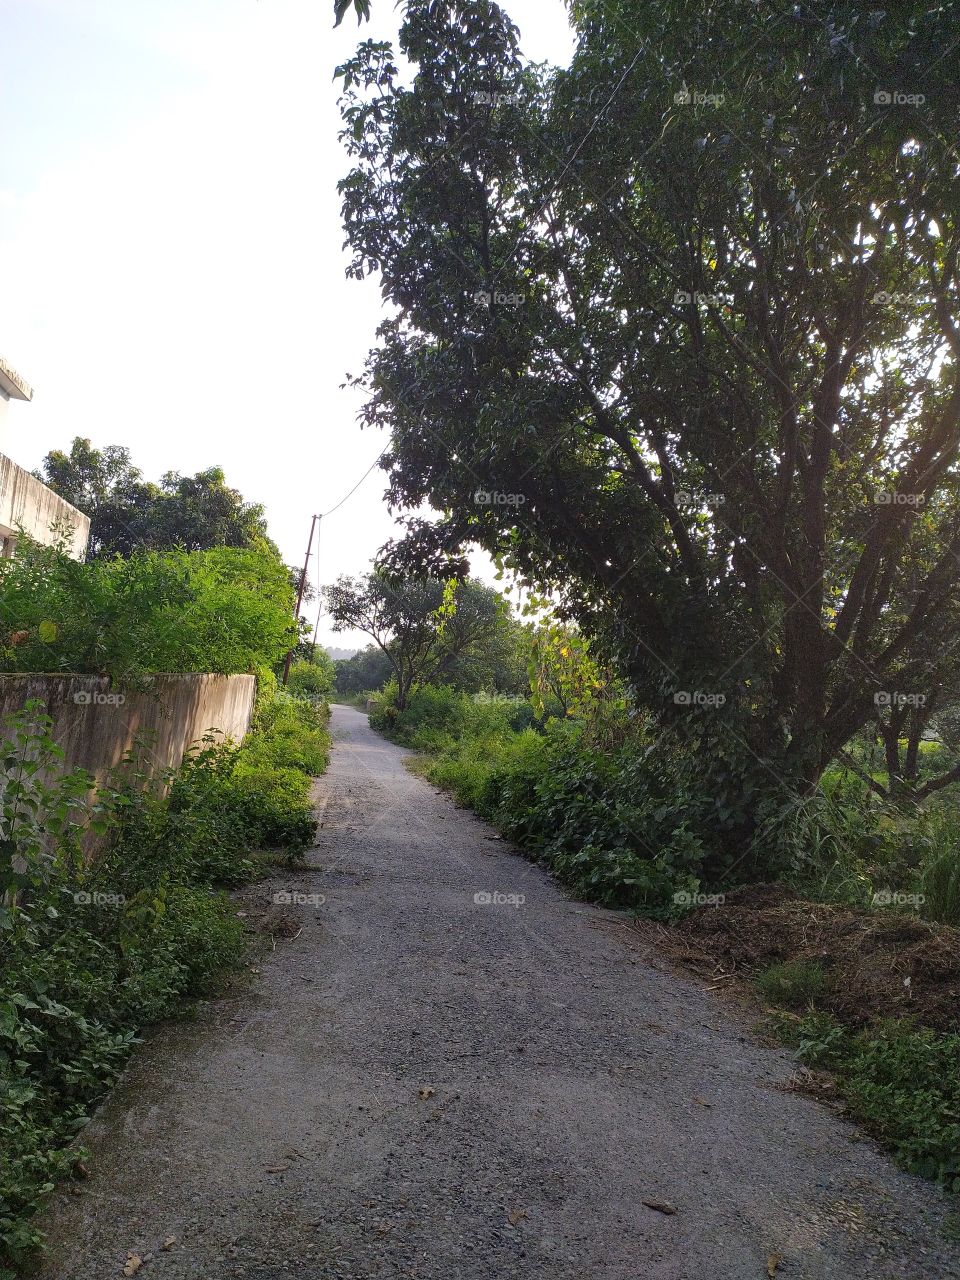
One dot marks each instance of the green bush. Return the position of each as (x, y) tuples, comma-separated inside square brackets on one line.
[(617, 826), (312, 678), (291, 733), (901, 1083), (223, 610), (91, 951)]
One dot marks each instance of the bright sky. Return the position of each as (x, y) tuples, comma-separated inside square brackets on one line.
[(170, 247)]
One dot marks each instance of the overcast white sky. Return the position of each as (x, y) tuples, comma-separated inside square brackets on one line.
[(170, 246)]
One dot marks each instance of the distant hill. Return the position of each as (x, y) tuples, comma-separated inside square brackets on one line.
[(338, 654)]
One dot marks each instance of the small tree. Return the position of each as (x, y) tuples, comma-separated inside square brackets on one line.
[(422, 625)]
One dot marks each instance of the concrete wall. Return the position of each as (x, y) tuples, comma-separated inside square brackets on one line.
[(95, 724), (25, 501)]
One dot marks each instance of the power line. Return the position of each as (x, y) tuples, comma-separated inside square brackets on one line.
[(357, 485)]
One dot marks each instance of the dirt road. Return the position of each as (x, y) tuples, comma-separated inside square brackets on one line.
[(455, 1073)]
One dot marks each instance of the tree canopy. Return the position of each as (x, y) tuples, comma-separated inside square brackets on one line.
[(673, 332), (128, 513), (424, 627)]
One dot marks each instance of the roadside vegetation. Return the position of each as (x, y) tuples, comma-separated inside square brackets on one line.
[(114, 911), (223, 610), (115, 916)]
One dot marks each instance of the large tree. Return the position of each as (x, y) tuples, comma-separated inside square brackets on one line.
[(128, 513), (674, 332)]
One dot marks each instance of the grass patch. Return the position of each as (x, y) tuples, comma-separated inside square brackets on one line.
[(794, 984)]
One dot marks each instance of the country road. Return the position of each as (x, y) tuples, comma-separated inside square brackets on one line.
[(423, 1084)]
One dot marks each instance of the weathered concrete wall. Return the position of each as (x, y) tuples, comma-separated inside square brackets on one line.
[(25, 502), (96, 724)]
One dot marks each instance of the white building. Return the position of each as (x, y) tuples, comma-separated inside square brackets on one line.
[(26, 503)]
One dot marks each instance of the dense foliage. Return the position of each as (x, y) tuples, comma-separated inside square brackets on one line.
[(128, 513), (366, 671), (223, 610), (674, 333), (313, 675), (91, 950)]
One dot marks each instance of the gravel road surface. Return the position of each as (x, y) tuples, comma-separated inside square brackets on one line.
[(426, 1084)]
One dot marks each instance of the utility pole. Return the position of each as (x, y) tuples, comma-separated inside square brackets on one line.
[(303, 582)]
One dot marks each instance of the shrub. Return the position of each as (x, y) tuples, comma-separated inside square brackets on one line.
[(901, 1083), (92, 951), (312, 678), (612, 826), (223, 610), (940, 886), (291, 733)]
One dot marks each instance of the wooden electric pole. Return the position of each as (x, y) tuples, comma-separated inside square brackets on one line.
[(300, 590)]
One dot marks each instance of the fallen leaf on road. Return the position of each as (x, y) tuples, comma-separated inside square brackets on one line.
[(278, 1168), (169, 1242), (133, 1264), (772, 1263), (661, 1206), (427, 1092), (514, 1216), (703, 1102)]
